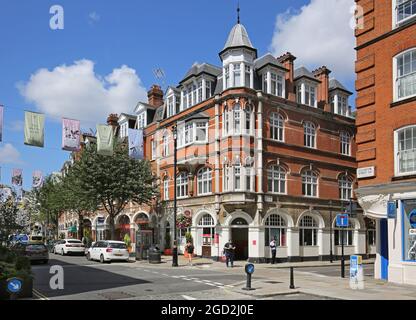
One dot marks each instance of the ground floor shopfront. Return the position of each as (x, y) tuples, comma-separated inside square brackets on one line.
[(394, 208)]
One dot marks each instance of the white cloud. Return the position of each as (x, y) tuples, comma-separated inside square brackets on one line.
[(9, 154), (318, 34), (76, 91), (93, 17)]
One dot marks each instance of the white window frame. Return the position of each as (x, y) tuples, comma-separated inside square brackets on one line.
[(165, 145), (277, 127), (154, 148), (308, 222), (204, 181), (166, 188), (182, 185), (188, 133), (276, 221), (141, 120), (276, 174), (396, 79), (348, 234), (345, 143), (345, 187), (171, 106), (310, 181), (397, 22), (309, 132), (397, 171)]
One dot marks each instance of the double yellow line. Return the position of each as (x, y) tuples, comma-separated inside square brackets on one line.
[(39, 295)]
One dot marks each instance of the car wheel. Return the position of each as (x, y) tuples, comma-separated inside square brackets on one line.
[(88, 257), (102, 259)]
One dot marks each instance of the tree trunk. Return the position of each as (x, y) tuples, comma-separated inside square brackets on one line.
[(112, 227), (81, 226)]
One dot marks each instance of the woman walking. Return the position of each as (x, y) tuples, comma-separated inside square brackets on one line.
[(189, 248)]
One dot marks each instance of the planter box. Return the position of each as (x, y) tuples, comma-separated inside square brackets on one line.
[(26, 292), (167, 252)]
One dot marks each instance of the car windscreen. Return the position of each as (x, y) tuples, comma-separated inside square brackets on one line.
[(37, 238), (35, 247), (118, 245), (74, 241)]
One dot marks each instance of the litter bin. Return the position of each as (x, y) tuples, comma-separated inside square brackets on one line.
[(154, 255)]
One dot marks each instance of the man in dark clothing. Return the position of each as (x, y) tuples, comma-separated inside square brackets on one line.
[(272, 246), (229, 253)]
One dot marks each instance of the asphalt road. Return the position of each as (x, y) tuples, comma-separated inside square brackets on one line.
[(89, 280), (335, 271)]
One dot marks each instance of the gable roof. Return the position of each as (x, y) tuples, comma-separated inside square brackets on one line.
[(201, 68), (267, 59), (335, 84), (302, 72)]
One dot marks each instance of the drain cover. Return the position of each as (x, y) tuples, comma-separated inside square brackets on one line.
[(116, 295)]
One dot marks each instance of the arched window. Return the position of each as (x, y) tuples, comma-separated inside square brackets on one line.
[(204, 181), (308, 231), (208, 229), (348, 235), (237, 177), (227, 177), (345, 187), (276, 126), (165, 145), (276, 178), (309, 135), (182, 185), (239, 222), (309, 183), (345, 143), (226, 120), (248, 111), (275, 229)]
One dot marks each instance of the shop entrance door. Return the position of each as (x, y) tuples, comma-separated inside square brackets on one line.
[(239, 237)]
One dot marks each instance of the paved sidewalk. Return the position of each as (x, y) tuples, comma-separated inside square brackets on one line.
[(273, 280)]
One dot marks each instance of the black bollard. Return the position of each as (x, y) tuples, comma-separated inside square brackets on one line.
[(249, 271), (292, 280)]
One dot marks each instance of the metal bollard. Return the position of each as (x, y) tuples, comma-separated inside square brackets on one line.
[(292, 280), (249, 271)]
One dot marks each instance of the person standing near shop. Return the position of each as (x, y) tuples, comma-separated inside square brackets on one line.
[(229, 253), (272, 246), (189, 248)]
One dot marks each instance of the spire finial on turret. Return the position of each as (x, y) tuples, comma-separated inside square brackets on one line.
[(238, 12)]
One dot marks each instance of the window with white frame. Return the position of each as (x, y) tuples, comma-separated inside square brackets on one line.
[(189, 93), (204, 178), (171, 107), (237, 177), (348, 235), (182, 185), (343, 105), (310, 96), (226, 121), (276, 178), (275, 228), (248, 76), (238, 121), (209, 85), (248, 113), (249, 174), (237, 118), (201, 133), (237, 75), (141, 121), (345, 140), (299, 93), (166, 188), (405, 148), (199, 99), (405, 9), (309, 134), (227, 177), (332, 100), (406, 74), (345, 187), (276, 85), (193, 131), (123, 129), (308, 231), (276, 126), (208, 229), (165, 145), (309, 183), (265, 82), (227, 77), (153, 143)]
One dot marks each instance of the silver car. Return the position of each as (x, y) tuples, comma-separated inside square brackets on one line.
[(36, 252)]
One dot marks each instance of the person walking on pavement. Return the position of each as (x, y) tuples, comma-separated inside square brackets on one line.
[(272, 246), (189, 248), (229, 253)]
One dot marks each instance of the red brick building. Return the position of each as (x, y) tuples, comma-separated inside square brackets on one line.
[(386, 131), (265, 149)]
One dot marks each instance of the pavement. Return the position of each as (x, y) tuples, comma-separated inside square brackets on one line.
[(208, 280)]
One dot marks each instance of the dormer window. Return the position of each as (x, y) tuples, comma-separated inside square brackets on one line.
[(306, 93), (273, 83), (141, 120), (171, 106), (199, 99), (339, 103)]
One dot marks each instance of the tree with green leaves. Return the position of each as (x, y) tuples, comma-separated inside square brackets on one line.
[(114, 181), (10, 220)]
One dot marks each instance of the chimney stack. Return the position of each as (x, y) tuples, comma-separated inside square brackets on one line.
[(322, 74), (287, 60), (112, 120), (155, 96)]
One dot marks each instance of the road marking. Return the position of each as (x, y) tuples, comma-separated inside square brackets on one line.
[(188, 297), (313, 274), (176, 277), (218, 283), (39, 295), (165, 274)]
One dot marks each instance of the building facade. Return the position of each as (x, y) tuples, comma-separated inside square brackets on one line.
[(265, 150), (386, 132)]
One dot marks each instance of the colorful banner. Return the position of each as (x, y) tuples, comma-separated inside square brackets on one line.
[(71, 133), (105, 140), (34, 129), (37, 179), (17, 177), (135, 143), (1, 123)]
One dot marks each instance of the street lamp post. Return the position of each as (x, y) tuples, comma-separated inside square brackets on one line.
[(175, 160), (342, 247), (331, 257)]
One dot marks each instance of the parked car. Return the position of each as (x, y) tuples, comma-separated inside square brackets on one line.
[(33, 251), (107, 251), (36, 239), (69, 246), (51, 245)]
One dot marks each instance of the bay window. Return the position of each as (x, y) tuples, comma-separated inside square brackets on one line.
[(405, 150), (247, 76), (238, 121), (193, 131), (237, 75), (405, 65)]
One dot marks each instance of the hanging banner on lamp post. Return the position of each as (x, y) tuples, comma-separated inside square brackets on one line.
[(105, 140), (135, 143), (17, 177), (34, 129), (37, 179), (71, 132)]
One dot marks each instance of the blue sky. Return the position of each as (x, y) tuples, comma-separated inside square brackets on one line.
[(140, 35)]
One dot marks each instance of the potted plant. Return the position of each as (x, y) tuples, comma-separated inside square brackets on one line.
[(127, 241), (168, 250)]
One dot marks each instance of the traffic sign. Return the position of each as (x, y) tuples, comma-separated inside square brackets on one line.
[(249, 268), (14, 285), (342, 220)]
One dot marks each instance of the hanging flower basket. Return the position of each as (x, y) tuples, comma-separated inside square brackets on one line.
[(183, 222)]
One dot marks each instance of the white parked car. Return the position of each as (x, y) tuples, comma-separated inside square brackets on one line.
[(68, 246), (107, 251)]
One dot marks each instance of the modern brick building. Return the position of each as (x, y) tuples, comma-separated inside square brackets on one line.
[(265, 149), (386, 131)]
